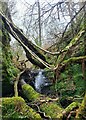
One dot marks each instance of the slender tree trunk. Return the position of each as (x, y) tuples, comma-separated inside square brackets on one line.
[(16, 88), (71, 16), (40, 43)]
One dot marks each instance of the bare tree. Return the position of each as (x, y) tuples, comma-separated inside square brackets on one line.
[(48, 17), (39, 22)]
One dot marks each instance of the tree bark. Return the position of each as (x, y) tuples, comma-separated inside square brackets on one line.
[(12, 28)]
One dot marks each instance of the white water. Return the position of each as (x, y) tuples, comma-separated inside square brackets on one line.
[(39, 81)]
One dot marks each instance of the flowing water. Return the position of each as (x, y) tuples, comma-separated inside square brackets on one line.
[(39, 81)]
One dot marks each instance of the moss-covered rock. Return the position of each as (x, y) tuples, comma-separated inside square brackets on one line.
[(16, 108)]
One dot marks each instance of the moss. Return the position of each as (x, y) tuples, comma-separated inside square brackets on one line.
[(16, 108), (67, 110), (70, 82), (51, 109), (9, 72), (45, 103), (74, 40), (30, 93), (81, 113), (71, 106)]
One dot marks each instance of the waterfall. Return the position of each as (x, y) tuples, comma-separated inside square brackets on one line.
[(39, 81)]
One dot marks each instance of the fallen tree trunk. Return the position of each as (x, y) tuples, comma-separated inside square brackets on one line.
[(40, 101), (44, 105), (32, 50), (20, 37)]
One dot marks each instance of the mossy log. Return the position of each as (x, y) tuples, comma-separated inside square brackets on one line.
[(15, 108), (49, 106), (30, 93), (44, 104)]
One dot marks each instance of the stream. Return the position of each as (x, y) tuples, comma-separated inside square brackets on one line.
[(41, 82), (38, 80)]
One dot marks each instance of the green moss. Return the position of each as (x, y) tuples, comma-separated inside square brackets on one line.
[(16, 108), (81, 114), (72, 106), (9, 71), (67, 110), (30, 93), (73, 41), (51, 109), (70, 82)]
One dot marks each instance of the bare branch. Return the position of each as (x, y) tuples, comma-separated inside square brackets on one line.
[(72, 19)]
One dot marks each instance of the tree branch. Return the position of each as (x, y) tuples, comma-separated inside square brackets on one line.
[(73, 19)]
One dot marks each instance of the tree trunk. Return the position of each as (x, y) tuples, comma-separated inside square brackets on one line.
[(20, 37), (39, 18), (6, 56)]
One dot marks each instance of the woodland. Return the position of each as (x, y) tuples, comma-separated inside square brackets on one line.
[(43, 60)]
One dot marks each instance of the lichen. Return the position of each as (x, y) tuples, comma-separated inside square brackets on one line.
[(16, 108)]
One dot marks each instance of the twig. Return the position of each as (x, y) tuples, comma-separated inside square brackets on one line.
[(73, 19)]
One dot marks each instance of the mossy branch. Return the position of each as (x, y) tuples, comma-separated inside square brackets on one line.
[(73, 59), (16, 88), (31, 49), (69, 46), (68, 109), (81, 112), (62, 65)]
